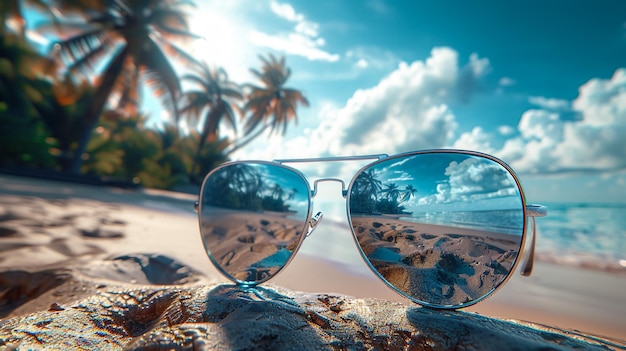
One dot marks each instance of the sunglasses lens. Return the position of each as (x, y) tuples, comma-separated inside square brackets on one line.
[(252, 219), (444, 228)]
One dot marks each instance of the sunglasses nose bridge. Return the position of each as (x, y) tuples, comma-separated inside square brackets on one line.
[(337, 180)]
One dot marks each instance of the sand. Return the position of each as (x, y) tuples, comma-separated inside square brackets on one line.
[(436, 264), (250, 247), (152, 237)]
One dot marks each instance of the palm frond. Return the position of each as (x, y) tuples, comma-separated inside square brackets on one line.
[(161, 77), (78, 46), (178, 53), (200, 81), (88, 62)]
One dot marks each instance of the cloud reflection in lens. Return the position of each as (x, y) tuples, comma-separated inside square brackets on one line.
[(444, 229)]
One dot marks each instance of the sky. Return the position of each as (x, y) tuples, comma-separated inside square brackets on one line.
[(541, 85), (538, 84)]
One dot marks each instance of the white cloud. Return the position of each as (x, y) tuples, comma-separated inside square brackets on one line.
[(477, 139), (467, 82), (506, 130), (407, 110), (473, 180), (285, 11), (506, 82), (303, 41), (593, 143), (549, 104), (293, 44), (361, 63), (376, 58)]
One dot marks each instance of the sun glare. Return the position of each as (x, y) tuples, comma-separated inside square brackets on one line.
[(224, 42)]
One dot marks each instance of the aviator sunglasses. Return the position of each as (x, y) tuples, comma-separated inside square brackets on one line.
[(443, 228)]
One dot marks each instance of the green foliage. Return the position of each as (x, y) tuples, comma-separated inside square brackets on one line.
[(24, 141), (370, 196), (51, 116), (243, 187), (122, 148)]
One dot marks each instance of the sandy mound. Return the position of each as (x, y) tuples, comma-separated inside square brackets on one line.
[(118, 316)]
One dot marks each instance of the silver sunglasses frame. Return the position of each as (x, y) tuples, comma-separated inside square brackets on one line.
[(307, 226), (531, 211)]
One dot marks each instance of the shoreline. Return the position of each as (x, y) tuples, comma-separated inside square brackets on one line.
[(48, 224)]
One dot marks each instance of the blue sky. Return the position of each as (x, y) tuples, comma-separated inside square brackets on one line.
[(539, 84)]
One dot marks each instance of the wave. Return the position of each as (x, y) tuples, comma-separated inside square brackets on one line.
[(583, 260)]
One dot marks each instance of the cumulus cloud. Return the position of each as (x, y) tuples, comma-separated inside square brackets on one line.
[(467, 83), (304, 40), (595, 142), (407, 110), (476, 139), (473, 180), (286, 11)]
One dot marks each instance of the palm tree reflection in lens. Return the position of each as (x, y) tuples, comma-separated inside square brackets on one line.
[(253, 216), (442, 229)]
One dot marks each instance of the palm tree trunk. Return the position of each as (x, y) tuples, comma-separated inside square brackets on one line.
[(96, 107)]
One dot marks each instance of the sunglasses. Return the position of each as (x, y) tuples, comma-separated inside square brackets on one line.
[(443, 228)]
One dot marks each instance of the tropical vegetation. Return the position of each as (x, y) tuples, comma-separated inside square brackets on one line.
[(370, 195), (76, 107), (243, 187)]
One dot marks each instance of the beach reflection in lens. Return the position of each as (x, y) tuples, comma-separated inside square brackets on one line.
[(252, 219), (444, 229)]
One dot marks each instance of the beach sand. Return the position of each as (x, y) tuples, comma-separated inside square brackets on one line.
[(436, 264), (152, 237)]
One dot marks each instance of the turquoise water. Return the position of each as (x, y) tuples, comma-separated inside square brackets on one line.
[(576, 234), (583, 233), (579, 234)]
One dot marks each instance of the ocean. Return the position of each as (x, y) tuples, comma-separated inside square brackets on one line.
[(583, 234), (586, 235), (590, 235)]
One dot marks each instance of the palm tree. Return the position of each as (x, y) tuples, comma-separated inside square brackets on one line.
[(408, 193), (271, 105), (392, 192), (365, 192), (131, 39), (216, 97)]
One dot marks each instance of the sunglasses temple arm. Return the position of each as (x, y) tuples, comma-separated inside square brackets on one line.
[(527, 266), (533, 211)]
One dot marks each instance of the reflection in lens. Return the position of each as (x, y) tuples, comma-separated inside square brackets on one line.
[(252, 217), (444, 229)]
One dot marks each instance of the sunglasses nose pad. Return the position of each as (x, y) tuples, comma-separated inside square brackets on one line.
[(313, 222)]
